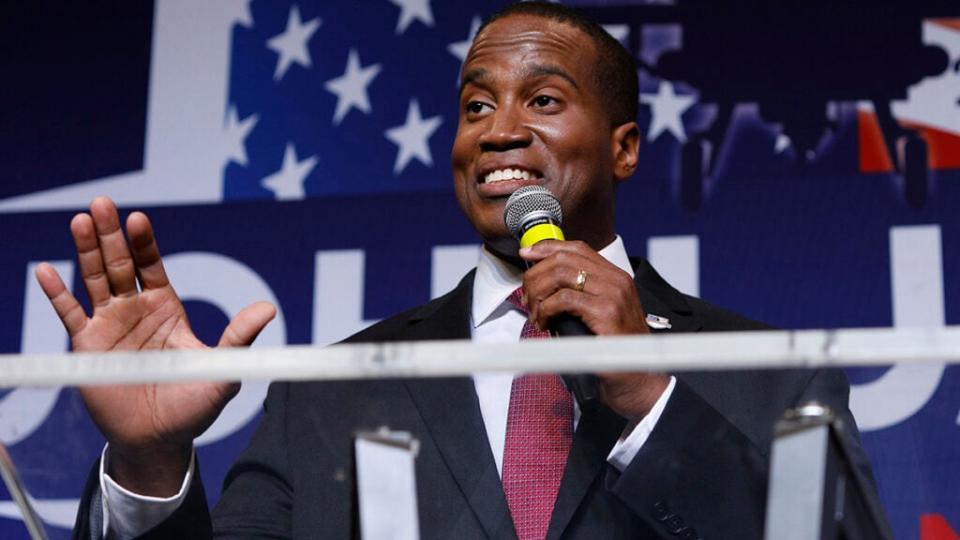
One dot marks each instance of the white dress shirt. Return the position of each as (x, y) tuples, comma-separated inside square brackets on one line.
[(493, 319)]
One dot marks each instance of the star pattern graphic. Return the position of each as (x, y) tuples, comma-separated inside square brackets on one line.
[(234, 136), (356, 72), (620, 32), (412, 138), (287, 183), (461, 48), (291, 45), (410, 10), (351, 87), (243, 16), (667, 108)]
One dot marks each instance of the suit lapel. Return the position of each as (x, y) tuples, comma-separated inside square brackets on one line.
[(596, 434), (660, 298), (451, 412)]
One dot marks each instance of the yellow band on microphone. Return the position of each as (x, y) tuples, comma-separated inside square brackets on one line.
[(541, 231)]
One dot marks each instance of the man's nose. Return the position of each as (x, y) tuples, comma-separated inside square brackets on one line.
[(506, 130)]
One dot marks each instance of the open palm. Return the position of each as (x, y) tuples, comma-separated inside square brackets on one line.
[(139, 420)]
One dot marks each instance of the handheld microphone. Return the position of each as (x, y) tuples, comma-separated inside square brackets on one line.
[(533, 214)]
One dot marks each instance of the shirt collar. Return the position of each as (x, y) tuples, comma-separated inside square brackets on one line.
[(496, 279)]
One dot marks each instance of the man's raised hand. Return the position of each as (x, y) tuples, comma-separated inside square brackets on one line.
[(150, 427)]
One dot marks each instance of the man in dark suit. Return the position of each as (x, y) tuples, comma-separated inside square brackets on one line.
[(547, 98)]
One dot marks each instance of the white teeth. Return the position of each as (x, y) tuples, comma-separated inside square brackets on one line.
[(507, 174)]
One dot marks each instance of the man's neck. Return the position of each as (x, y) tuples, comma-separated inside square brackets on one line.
[(513, 260)]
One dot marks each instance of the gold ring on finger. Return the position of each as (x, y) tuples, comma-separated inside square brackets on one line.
[(581, 280)]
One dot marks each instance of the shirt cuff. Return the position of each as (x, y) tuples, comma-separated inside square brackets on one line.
[(127, 514), (632, 439)]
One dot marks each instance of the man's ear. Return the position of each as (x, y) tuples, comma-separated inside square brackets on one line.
[(626, 148)]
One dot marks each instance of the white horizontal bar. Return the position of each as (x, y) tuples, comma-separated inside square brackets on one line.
[(663, 352)]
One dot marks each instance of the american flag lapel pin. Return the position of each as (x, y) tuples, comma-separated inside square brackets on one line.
[(657, 322)]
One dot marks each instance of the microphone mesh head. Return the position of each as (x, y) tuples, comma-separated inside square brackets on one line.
[(530, 201)]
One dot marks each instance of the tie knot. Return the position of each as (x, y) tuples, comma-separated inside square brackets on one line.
[(516, 300), (529, 330)]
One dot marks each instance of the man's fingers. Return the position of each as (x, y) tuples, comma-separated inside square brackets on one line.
[(603, 314), (563, 301), (246, 326), (561, 271), (545, 248), (68, 309), (146, 254), (117, 261), (91, 260), (540, 250), (568, 277)]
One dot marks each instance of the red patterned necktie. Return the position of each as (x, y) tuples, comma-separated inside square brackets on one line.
[(539, 435)]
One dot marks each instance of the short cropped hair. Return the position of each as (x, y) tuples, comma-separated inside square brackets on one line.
[(615, 72)]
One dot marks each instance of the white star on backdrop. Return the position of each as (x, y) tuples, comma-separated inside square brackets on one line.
[(243, 17), (620, 32), (291, 45), (412, 136), (351, 87), (413, 9), (781, 144), (666, 109), (287, 183), (461, 48), (234, 134)]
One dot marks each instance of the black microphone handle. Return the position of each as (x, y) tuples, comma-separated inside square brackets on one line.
[(568, 325), (584, 386)]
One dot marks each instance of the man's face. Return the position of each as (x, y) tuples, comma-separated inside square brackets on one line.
[(531, 113)]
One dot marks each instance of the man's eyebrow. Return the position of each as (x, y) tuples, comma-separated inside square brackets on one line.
[(531, 71), (473, 76), (534, 71)]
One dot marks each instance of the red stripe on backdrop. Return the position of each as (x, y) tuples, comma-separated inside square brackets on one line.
[(944, 146), (935, 527), (873, 153)]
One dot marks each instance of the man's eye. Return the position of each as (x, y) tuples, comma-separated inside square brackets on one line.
[(543, 101), (476, 107)]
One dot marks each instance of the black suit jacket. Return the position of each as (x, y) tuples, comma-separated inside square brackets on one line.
[(701, 473)]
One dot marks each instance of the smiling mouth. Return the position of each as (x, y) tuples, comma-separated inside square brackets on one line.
[(509, 173)]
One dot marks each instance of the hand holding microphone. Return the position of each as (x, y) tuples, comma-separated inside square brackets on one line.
[(572, 290), (533, 215), (569, 277)]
